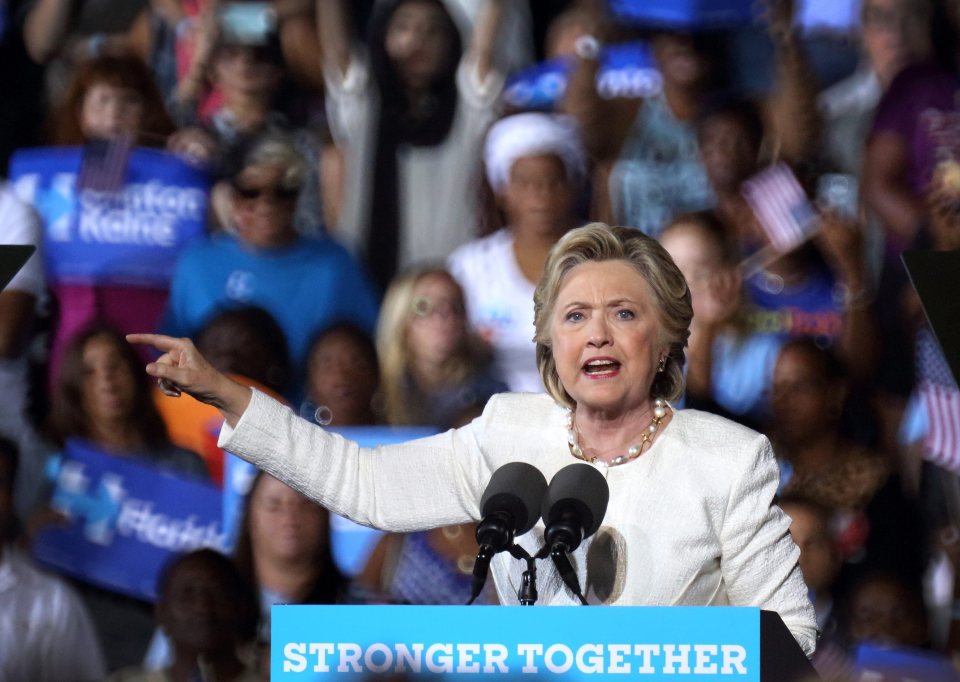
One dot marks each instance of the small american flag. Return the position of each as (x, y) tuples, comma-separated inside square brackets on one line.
[(941, 402), (941, 445), (781, 207), (103, 167)]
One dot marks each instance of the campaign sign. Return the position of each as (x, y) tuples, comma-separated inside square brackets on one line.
[(827, 15), (515, 642), (877, 663), (684, 14), (125, 520), (626, 70), (129, 237), (238, 477), (352, 543)]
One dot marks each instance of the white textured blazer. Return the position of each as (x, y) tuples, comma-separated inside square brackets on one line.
[(690, 522)]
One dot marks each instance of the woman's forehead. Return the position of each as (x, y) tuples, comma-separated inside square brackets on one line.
[(607, 279)]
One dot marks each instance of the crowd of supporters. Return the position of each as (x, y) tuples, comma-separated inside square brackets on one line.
[(378, 209)]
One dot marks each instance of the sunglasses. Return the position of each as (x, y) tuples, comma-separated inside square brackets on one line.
[(277, 192)]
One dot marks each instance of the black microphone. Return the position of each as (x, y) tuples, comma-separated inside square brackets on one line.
[(573, 509), (509, 507)]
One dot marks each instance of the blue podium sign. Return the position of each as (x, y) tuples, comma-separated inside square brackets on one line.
[(513, 642)]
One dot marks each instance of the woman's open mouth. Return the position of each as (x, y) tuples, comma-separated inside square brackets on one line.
[(599, 368)]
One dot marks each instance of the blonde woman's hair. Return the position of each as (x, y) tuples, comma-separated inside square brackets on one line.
[(598, 242), (395, 314)]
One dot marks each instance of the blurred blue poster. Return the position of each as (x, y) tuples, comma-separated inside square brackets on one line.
[(128, 237), (841, 16), (684, 14), (626, 70), (901, 664), (238, 477), (125, 520), (351, 542)]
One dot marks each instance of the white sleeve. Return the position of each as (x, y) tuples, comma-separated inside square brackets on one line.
[(476, 93), (350, 97), (19, 224), (72, 650), (417, 485), (760, 560)]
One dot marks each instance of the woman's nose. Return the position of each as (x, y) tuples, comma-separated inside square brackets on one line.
[(598, 332)]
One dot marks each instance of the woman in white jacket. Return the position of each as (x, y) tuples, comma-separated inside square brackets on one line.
[(612, 315)]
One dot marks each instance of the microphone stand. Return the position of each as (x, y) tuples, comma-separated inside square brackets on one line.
[(527, 594), (558, 552)]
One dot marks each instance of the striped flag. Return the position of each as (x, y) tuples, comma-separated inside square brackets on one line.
[(941, 402), (781, 207), (941, 445), (103, 167)]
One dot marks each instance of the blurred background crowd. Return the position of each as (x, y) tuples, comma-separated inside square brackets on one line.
[(385, 179)]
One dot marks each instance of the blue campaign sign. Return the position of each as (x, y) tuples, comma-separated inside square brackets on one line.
[(626, 70), (684, 14), (126, 519), (131, 237), (879, 663), (238, 477), (352, 543), (513, 642), (832, 15)]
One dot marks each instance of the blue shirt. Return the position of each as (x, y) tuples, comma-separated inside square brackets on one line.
[(812, 308), (307, 286)]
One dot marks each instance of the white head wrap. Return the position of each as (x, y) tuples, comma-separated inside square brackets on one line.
[(533, 134)]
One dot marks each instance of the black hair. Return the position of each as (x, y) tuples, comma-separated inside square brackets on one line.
[(268, 331), (432, 128), (355, 335), (10, 452), (241, 592), (744, 112), (825, 360), (330, 583)]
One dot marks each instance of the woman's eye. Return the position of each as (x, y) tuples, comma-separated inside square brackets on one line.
[(575, 316), (625, 314)]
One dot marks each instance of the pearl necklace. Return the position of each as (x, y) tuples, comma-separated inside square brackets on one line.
[(659, 413)]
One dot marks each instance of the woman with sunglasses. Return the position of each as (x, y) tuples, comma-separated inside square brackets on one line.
[(305, 283)]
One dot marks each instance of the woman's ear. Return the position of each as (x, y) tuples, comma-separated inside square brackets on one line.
[(222, 205)]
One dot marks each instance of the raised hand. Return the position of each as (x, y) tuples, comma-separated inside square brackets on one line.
[(182, 369)]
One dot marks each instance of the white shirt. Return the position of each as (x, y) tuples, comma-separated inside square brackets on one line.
[(438, 185), (691, 522), (19, 224), (500, 306), (45, 633)]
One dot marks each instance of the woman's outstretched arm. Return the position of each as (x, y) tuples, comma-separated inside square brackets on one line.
[(404, 487)]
